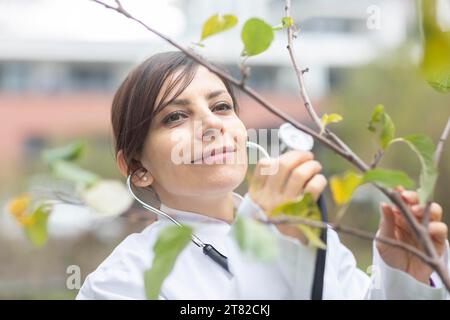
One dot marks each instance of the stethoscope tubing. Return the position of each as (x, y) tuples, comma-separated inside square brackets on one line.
[(222, 261)]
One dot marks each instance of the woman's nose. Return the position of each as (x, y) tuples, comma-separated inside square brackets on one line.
[(208, 126)]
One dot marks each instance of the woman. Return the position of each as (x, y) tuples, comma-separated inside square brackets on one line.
[(170, 103)]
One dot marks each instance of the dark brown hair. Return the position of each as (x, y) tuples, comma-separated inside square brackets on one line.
[(133, 105)]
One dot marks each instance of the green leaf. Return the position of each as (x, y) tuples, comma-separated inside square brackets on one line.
[(387, 127), (257, 36), (255, 238), (330, 118), (313, 236), (424, 147), (70, 171), (36, 230), (388, 178), (70, 152), (171, 241), (305, 207), (440, 82), (343, 186), (287, 22), (436, 49), (376, 117), (218, 23)]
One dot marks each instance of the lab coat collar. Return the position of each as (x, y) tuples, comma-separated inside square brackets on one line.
[(199, 221)]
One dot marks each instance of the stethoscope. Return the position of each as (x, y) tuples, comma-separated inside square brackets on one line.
[(291, 138)]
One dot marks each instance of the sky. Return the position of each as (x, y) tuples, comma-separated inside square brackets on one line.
[(85, 20)]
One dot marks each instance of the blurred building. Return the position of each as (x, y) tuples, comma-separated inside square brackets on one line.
[(61, 60)]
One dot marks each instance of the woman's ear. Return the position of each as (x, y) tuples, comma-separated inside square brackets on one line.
[(121, 164), (141, 178)]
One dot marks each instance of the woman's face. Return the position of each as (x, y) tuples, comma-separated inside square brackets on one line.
[(183, 133)]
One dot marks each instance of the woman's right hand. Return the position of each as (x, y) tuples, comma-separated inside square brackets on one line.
[(282, 179)]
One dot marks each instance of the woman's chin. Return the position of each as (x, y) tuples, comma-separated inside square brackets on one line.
[(222, 177)]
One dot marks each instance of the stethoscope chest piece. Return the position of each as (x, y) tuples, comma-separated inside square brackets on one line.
[(295, 139)]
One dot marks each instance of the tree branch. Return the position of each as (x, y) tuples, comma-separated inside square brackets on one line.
[(299, 72), (351, 231), (420, 232), (437, 159), (441, 142), (305, 97), (432, 261), (330, 140), (238, 83), (376, 159)]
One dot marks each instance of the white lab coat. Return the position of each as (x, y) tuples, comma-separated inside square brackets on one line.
[(196, 276)]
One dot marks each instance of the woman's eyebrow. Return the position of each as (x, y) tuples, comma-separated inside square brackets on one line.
[(213, 94), (185, 102)]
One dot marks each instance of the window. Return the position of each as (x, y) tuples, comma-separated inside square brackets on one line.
[(334, 25), (89, 77)]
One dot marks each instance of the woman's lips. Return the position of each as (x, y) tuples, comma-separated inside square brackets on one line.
[(217, 155), (219, 158)]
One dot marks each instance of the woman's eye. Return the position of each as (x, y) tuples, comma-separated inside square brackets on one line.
[(222, 106), (174, 116)]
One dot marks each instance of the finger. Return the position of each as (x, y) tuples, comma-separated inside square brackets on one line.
[(387, 221), (258, 179), (316, 185), (286, 163), (435, 211), (401, 221), (439, 233), (300, 176), (403, 229), (410, 197), (438, 230)]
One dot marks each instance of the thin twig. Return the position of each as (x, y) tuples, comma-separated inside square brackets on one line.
[(376, 159), (299, 72), (57, 195), (245, 71), (351, 231), (441, 142), (437, 159), (304, 94)]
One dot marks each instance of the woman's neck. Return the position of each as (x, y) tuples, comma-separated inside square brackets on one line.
[(215, 206)]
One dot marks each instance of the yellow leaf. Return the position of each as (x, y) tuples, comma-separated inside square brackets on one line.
[(26, 221), (307, 208), (313, 236), (36, 225), (342, 187), (218, 23), (19, 205), (330, 118)]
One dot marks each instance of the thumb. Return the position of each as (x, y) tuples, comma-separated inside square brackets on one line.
[(387, 221)]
